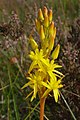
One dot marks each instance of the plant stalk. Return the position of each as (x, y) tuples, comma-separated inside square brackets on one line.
[(42, 104)]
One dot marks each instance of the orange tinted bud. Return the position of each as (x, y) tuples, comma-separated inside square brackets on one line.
[(40, 15), (37, 25), (45, 11), (46, 21), (50, 15), (51, 28), (14, 60), (42, 35)]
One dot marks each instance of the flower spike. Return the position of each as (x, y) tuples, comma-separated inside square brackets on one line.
[(43, 75)]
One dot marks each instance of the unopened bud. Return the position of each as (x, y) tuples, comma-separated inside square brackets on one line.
[(45, 11), (50, 16), (51, 27), (33, 43), (46, 21), (42, 35), (51, 43), (54, 32), (55, 53), (40, 15)]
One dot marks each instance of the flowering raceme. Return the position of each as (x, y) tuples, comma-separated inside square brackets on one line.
[(43, 74)]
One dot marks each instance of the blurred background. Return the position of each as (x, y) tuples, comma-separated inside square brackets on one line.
[(17, 21)]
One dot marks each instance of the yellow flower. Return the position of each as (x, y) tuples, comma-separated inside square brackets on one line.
[(50, 68), (37, 57), (35, 83), (52, 85)]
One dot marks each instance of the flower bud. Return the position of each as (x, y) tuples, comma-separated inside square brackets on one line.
[(51, 43), (37, 25), (46, 21), (45, 11), (40, 15), (54, 32), (55, 53), (42, 35), (33, 43), (50, 16), (51, 28)]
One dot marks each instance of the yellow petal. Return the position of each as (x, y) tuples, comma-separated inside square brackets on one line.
[(29, 95), (46, 85), (32, 66), (46, 93), (52, 76), (56, 66), (41, 66), (32, 97), (27, 84), (56, 94), (35, 89), (58, 72)]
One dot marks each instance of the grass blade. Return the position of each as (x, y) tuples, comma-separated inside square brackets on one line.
[(14, 100), (68, 106), (32, 111)]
